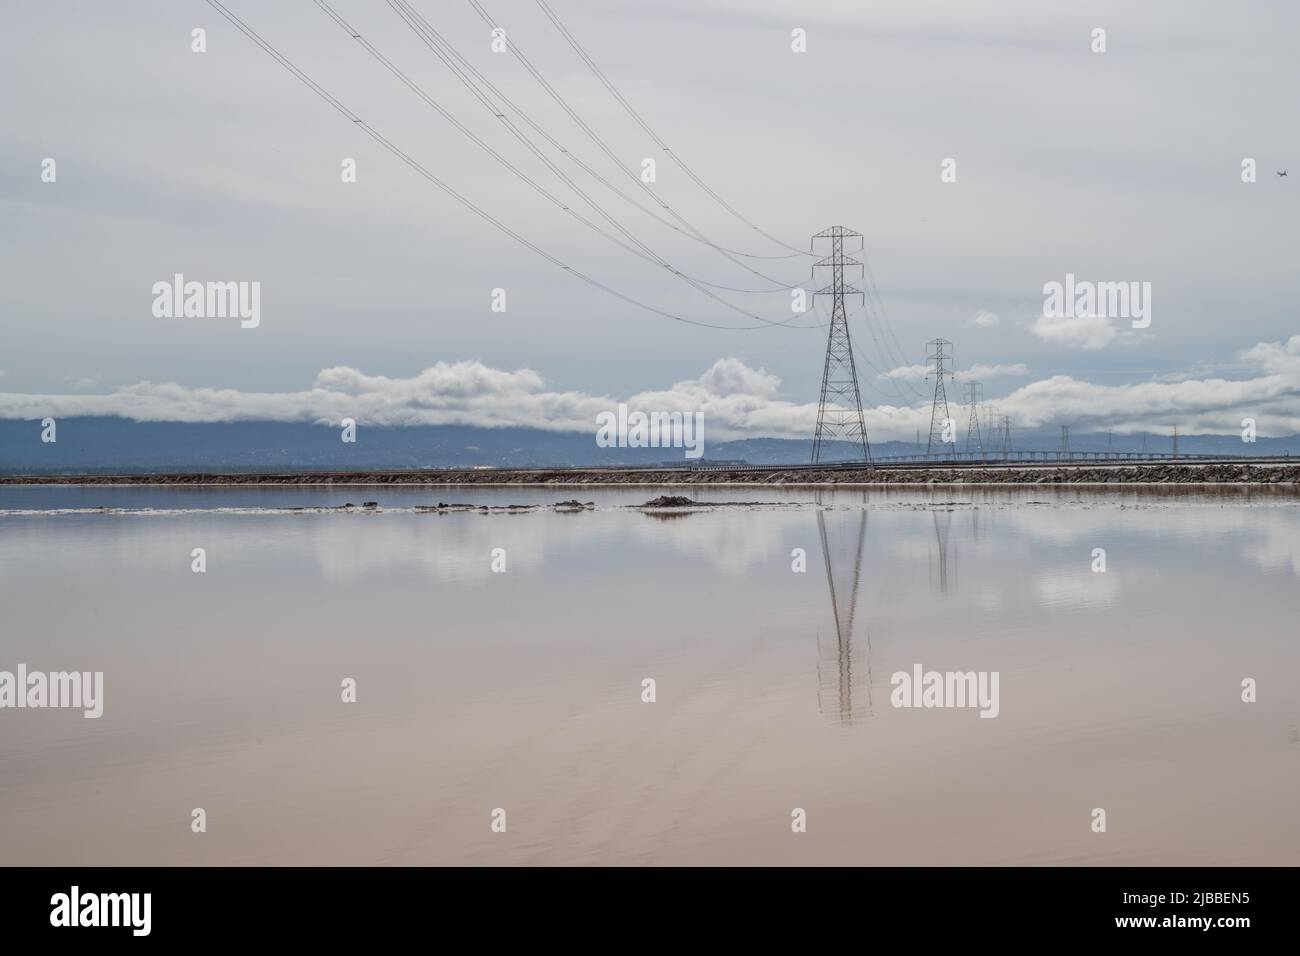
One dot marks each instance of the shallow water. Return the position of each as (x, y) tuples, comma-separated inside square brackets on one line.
[(522, 690)]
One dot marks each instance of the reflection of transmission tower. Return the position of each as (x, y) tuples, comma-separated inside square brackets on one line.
[(839, 413), (941, 535), (844, 603), (974, 395), (939, 415)]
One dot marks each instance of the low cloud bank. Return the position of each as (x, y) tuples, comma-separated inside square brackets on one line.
[(737, 401)]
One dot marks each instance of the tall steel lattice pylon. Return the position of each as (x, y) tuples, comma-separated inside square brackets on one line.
[(991, 427), (974, 395), (940, 356), (839, 413)]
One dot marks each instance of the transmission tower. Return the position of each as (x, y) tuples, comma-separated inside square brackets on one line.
[(1065, 441), (991, 427), (839, 413), (974, 395), (1006, 436), (939, 414)]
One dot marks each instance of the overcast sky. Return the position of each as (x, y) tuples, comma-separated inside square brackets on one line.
[(375, 295)]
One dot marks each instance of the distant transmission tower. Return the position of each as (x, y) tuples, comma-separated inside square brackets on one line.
[(1065, 441), (1006, 436), (839, 413), (992, 426), (939, 414), (974, 395)]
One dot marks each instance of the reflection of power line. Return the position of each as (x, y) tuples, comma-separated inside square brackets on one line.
[(844, 602)]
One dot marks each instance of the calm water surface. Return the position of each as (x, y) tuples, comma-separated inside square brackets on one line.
[(522, 690)]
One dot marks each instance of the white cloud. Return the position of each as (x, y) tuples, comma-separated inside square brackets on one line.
[(730, 376), (1196, 370), (1210, 405), (81, 384), (996, 371), (984, 319), (1084, 331), (918, 372), (907, 372), (1076, 589), (737, 401)]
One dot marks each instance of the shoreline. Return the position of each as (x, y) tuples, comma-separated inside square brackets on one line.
[(1029, 475)]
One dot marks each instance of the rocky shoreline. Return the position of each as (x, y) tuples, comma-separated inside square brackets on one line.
[(1263, 473)]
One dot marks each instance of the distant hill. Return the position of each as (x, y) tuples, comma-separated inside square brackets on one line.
[(120, 445)]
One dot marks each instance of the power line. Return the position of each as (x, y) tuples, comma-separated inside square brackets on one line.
[(444, 49), (518, 53), (577, 48), (647, 253), (430, 177), (899, 366), (445, 52), (884, 316), (898, 396), (462, 64)]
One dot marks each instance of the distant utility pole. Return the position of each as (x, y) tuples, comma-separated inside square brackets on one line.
[(1065, 441), (940, 358), (839, 413), (1110, 439), (1175, 441), (974, 395)]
